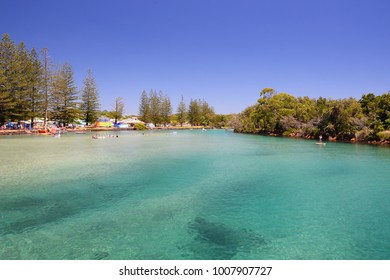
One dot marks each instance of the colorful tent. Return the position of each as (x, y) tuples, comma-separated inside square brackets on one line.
[(103, 122)]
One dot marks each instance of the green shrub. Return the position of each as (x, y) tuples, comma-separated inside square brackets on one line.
[(384, 135), (140, 126), (364, 135)]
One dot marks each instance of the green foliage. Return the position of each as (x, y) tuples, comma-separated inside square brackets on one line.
[(305, 109), (34, 97), (140, 126), (207, 114), (46, 82), (342, 119), (20, 82), (275, 113), (222, 121), (166, 109), (384, 135), (29, 89), (21, 88), (246, 122), (6, 102), (182, 112), (383, 112), (363, 135), (89, 99), (13, 62), (200, 113), (283, 114), (194, 113), (144, 108), (377, 110), (267, 93), (64, 105), (155, 108), (9, 83)]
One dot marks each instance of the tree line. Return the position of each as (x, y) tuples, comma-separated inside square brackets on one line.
[(367, 119), (30, 88), (156, 108)]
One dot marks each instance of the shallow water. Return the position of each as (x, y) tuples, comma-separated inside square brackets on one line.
[(192, 195)]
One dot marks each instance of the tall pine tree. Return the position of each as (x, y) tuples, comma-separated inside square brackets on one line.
[(21, 86), (166, 109), (144, 108), (64, 106), (7, 49), (89, 99), (6, 103), (9, 86), (207, 113), (194, 112), (46, 83), (155, 107), (182, 112), (34, 87)]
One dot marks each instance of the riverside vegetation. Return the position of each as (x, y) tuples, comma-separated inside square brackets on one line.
[(30, 88), (364, 120)]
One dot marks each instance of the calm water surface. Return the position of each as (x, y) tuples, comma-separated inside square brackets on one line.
[(192, 195)]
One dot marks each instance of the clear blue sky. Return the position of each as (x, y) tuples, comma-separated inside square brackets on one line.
[(223, 51)]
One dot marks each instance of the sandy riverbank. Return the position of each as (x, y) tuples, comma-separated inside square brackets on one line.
[(93, 129), (14, 131)]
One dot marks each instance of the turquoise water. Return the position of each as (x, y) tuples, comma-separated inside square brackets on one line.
[(192, 195)]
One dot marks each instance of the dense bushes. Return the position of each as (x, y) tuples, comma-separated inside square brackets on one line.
[(140, 126), (384, 135), (343, 119)]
